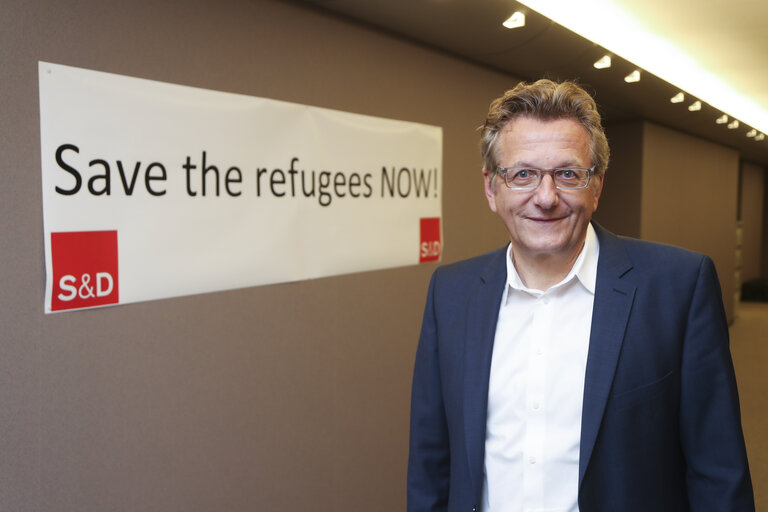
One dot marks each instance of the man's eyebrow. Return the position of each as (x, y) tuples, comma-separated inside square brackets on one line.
[(520, 163), (564, 164)]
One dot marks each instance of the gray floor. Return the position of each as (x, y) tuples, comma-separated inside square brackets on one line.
[(749, 347)]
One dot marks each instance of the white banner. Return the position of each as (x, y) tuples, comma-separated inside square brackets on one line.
[(154, 190)]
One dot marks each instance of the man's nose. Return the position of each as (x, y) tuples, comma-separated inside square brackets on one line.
[(545, 195)]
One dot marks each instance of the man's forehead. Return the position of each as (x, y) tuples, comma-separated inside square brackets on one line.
[(544, 143), (524, 131)]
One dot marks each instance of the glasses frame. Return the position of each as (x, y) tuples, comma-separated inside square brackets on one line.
[(502, 172)]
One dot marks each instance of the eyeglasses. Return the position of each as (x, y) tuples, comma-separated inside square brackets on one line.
[(528, 178)]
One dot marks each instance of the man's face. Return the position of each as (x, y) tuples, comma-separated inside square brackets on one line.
[(545, 221)]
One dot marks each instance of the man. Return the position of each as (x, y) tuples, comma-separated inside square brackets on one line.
[(572, 370)]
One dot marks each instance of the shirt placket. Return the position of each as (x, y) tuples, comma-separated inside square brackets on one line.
[(536, 426)]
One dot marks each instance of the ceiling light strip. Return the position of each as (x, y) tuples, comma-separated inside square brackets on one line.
[(606, 24)]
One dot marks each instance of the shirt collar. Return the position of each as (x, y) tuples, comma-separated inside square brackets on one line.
[(584, 268)]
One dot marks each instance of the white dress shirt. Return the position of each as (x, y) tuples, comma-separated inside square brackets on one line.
[(536, 390)]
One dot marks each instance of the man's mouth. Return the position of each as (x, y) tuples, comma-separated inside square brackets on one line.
[(545, 220)]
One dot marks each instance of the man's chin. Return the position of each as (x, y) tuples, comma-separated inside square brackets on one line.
[(543, 248)]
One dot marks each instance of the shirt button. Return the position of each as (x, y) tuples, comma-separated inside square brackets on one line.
[(532, 460), (539, 351), (545, 300), (536, 405)]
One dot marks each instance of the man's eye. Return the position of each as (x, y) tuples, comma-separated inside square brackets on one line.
[(523, 173), (568, 174)]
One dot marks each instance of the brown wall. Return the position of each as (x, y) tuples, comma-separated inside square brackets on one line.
[(689, 198), (620, 204), (289, 397), (764, 256), (751, 215)]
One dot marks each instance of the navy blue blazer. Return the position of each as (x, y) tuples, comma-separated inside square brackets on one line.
[(661, 428)]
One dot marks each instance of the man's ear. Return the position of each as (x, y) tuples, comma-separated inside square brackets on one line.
[(490, 189)]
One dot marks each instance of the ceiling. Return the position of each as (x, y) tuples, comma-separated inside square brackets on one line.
[(726, 37)]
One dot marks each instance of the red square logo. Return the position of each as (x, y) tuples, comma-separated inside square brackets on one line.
[(431, 246), (84, 269)]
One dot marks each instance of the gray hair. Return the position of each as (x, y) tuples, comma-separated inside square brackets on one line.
[(544, 100)]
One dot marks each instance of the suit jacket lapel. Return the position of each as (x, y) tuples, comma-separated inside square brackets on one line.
[(482, 315), (613, 303)]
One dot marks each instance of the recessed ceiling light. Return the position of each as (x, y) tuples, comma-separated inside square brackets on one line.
[(733, 124), (632, 77), (677, 98), (603, 62), (752, 133), (722, 119), (695, 106), (759, 137), (517, 20)]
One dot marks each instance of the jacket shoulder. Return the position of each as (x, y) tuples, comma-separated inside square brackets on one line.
[(483, 266), (646, 248), (620, 251)]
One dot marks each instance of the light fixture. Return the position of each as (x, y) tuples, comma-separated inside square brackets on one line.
[(752, 133), (759, 137), (722, 119), (649, 51), (695, 106), (603, 62), (733, 124), (677, 98), (517, 20), (632, 77)]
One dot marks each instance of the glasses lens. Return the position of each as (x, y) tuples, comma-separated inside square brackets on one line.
[(571, 178), (522, 178)]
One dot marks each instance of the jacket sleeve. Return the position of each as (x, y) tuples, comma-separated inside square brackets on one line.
[(717, 472), (429, 457)]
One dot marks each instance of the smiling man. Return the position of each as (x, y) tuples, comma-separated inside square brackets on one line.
[(572, 370)]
